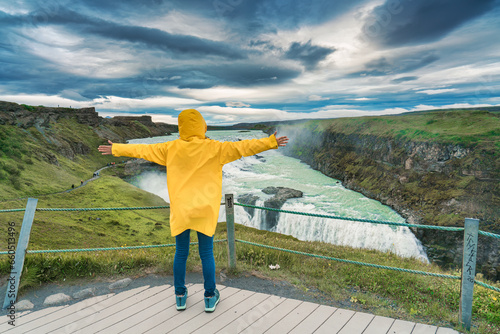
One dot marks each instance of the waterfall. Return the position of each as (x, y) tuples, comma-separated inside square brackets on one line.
[(398, 240), (322, 195)]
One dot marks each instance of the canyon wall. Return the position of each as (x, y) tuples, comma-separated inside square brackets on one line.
[(428, 182)]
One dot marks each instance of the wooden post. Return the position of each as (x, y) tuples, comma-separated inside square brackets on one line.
[(231, 250), (468, 271), (16, 267)]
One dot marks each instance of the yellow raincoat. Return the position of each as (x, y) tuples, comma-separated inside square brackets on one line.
[(194, 170)]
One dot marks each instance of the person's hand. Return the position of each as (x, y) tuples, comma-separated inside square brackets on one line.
[(106, 149), (281, 140)]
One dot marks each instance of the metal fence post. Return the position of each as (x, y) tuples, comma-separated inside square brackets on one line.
[(16, 267), (471, 229), (231, 251)]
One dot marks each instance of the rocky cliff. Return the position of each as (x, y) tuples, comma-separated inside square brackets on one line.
[(280, 196), (25, 116), (435, 182)]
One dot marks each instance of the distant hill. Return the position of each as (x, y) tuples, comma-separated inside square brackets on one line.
[(43, 149)]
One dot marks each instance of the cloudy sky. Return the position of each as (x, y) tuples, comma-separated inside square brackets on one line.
[(251, 60)]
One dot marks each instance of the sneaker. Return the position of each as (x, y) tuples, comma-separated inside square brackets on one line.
[(211, 302), (181, 301)]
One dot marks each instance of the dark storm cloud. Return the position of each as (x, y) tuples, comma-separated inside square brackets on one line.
[(289, 14), (241, 15), (230, 74), (403, 79), (153, 38), (109, 54), (243, 73), (401, 22), (309, 55), (182, 45), (18, 64), (6, 19), (407, 63)]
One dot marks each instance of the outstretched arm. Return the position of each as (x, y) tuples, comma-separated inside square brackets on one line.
[(106, 149), (234, 150), (282, 141), (152, 152)]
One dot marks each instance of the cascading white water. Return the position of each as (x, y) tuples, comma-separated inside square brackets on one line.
[(243, 217), (322, 195), (398, 240)]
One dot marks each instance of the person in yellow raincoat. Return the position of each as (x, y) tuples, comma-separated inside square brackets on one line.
[(194, 180)]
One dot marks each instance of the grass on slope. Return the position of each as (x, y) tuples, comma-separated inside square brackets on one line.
[(91, 229), (465, 127), (32, 161), (388, 293)]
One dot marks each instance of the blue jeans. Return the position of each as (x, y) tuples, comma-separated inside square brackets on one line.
[(206, 250)]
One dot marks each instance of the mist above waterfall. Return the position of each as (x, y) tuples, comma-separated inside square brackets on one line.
[(153, 182)]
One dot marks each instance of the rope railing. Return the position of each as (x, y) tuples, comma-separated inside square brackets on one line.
[(411, 271), (434, 227), (444, 228), (349, 261), (467, 279), (488, 234), (104, 248), (92, 209), (484, 285), (105, 209), (363, 220)]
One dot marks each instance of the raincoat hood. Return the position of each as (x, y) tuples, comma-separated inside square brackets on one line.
[(191, 125)]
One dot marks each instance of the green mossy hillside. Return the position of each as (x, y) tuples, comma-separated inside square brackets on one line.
[(39, 160), (94, 229), (466, 127)]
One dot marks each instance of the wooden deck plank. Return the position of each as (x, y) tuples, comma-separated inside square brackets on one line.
[(424, 329), (182, 317), (401, 327), (379, 325), (170, 318), (199, 321), (4, 326), (43, 316), (63, 319), (166, 314), (142, 311), (252, 316), (229, 300), (152, 310), (26, 318), (286, 324), (357, 324), (112, 315), (273, 316), (249, 300), (314, 320), (165, 310), (21, 314), (335, 322)]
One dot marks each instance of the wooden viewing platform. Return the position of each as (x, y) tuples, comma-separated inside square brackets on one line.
[(152, 310)]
